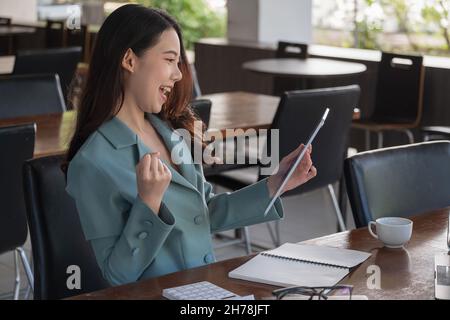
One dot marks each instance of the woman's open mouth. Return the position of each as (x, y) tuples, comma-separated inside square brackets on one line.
[(164, 92)]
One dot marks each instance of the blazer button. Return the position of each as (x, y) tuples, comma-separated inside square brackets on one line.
[(135, 251), (209, 258), (198, 219), (142, 235), (148, 223)]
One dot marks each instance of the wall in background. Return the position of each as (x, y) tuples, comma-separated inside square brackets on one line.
[(270, 20), (21, 11)]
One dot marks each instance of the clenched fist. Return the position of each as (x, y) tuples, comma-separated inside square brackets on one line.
[(153, 178)]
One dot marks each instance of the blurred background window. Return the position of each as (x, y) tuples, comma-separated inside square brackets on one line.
[(408, 26), (198, 18)]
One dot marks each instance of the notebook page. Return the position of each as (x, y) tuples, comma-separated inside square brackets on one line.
[(286, 273), (320, 254)]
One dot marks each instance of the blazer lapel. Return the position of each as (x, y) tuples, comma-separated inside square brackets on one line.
[(176, 177), (121, 136), (181, 155)]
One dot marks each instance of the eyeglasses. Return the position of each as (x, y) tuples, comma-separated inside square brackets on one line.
[(317, 293)]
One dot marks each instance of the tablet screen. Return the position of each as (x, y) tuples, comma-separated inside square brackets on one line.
[(297, 161)]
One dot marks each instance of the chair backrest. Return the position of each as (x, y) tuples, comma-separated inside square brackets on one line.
[(202, 107), (298, 114), (292, 50), (16, 145), (399, 91), (62, 61), (59, 35), (55, 36), (398, 181), (5, 21), (27, 95), (56, 235), (289, 50), (196, 91)]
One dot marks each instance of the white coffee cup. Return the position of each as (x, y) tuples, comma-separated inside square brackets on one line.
[(392, 231)]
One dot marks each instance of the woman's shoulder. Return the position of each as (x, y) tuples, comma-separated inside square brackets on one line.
[(89, 162), (94, 146), (93, 151), (82, 158)]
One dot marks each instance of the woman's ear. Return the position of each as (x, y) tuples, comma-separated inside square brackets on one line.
[(129, 60)]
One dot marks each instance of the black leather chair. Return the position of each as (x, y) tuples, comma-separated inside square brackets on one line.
[(8, 40), (5, 21), (62, 61), (297, 115), (56, 235), (16, 145), (28, 95), (398, 181), (289, 50), (430, 133), (398, 99), (55, 35), (292, 50), (196, 91), (202, 108)]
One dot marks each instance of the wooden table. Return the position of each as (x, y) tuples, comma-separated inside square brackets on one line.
[(304, 68), (241, 110), (405, 273), (14, 30), (229, 110), (53, 131), (7, 65)]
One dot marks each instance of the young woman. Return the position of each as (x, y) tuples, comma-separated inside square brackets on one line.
[(144, 215)]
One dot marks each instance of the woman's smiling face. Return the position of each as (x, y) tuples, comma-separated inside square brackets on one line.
[(155, 73)]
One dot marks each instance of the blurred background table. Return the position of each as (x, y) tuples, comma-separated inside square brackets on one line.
[(304, 68)]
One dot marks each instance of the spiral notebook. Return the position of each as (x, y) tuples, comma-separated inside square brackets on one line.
[(300, 265)]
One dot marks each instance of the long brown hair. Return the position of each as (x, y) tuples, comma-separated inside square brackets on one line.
[(139, 28)]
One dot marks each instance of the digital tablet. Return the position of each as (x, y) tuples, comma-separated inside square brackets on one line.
[(297, 161)]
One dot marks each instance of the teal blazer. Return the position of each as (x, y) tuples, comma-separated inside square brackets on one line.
[(129, 240)]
